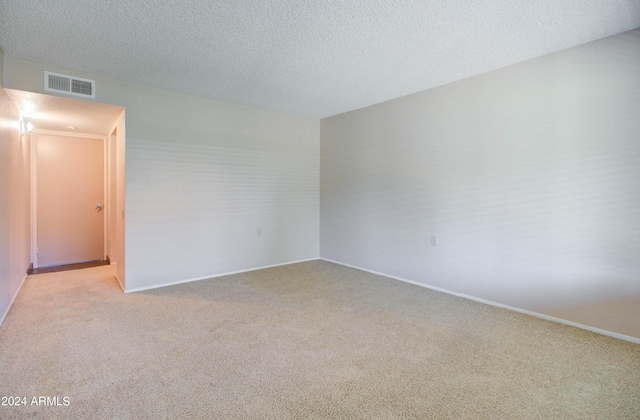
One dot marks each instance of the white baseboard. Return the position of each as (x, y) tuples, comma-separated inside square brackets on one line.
[(4, 315), (120, 282), (116, 275), (173, 283), (499, 305)]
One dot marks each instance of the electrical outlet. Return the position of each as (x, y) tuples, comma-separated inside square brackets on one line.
[(434, 240), (259, 231)]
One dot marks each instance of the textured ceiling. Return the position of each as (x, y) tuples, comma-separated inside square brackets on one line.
[(306, 57)]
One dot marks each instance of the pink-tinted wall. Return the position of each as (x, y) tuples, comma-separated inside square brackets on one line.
[(15, 230)]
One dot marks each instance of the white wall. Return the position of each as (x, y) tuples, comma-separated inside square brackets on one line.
[(15, 207), (529, 175), (201, 177)]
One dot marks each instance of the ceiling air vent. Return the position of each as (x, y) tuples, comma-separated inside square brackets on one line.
[(69, 85)]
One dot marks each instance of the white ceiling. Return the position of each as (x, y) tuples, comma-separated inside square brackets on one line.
[(306, 57), (47, 112)]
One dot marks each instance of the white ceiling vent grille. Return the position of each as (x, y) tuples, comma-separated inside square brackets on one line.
[(69, 85)]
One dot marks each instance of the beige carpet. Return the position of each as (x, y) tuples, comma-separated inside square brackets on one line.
[(310, 340)]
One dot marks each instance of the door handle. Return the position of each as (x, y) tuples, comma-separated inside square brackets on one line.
[(99, 207)]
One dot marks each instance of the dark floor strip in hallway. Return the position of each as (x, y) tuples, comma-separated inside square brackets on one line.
[(68, 267)]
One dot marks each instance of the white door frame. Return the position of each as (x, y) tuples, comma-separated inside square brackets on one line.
[(34, 185)]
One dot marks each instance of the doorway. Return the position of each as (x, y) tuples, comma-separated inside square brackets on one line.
[(103, 124)]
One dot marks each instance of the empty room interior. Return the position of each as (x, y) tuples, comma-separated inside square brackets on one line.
[(284, 209)]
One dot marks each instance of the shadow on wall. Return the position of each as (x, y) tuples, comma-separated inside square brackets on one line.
[(623, 312)]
